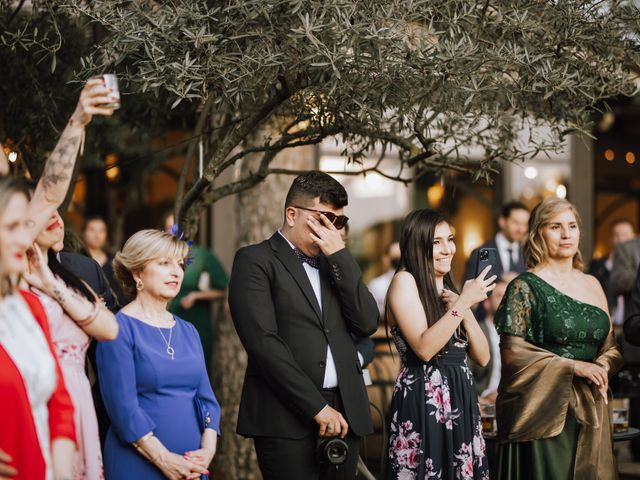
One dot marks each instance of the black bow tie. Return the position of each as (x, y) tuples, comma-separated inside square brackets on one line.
[(313, 261)]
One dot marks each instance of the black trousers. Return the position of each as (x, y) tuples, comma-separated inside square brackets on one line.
[(295, 459)]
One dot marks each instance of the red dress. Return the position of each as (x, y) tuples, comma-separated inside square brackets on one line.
[(18, 432)]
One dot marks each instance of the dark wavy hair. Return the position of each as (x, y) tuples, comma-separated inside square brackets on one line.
[(416, 257)]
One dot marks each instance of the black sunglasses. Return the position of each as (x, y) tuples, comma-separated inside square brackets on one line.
[(338, 221)]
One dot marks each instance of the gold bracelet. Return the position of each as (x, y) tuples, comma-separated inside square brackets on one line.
[(137, 444)]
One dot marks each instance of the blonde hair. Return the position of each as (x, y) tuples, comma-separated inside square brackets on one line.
[(9, 186), (142, 248), (535, 249)]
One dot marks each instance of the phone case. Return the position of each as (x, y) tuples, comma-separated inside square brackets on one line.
[(487, 256)]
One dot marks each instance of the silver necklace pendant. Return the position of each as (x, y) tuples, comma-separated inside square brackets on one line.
[(170, 351)]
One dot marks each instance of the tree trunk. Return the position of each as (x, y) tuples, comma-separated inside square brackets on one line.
[(259, 213)]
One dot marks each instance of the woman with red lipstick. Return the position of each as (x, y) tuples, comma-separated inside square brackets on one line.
[(558, 351), (75, 316), (153, 377), (37, 434)]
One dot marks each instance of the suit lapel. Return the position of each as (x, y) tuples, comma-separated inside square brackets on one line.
[(325, 288), (288, 258)]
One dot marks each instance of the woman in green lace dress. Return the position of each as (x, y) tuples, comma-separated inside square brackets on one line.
[(557, 352)]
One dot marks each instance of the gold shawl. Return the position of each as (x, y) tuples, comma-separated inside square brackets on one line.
[(537, 388)]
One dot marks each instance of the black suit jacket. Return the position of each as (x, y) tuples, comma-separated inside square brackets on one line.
[(285, 334), (89, 270), (470, 268), (631, 325)]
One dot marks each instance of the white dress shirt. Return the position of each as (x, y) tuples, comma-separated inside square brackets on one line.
[(330, 373), (494, 348), (379, 286), (503, 250)]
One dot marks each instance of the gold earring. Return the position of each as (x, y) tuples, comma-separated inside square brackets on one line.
[(139, 285)]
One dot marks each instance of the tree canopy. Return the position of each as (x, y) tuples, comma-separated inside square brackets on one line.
[(429, 80)]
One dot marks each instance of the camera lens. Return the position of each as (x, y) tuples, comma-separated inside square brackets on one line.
[(484, 255), (332, 450)]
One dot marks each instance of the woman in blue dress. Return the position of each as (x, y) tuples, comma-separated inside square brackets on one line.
[(164, 416)]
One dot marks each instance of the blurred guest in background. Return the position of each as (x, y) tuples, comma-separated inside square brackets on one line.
[(95, 235), (621, 231), (512, 224), (632, 322), (205, 281), (488, 378), (626, 259), (153, 376), (557, 352), (379, 285)]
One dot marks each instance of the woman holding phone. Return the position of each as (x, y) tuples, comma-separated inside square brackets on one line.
[(436, 429)]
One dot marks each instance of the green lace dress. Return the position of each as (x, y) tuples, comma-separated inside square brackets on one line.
[(547, 318)]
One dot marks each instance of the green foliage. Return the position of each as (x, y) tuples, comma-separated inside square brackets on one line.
[(445, 84), (41, 47)]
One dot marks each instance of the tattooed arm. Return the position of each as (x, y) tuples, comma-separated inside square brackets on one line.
[(56, 177), (93, 317)]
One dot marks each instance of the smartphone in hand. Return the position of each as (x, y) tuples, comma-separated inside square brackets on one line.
[(486, 257)]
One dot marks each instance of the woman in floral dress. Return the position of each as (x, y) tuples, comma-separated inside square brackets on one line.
[(436, 430)]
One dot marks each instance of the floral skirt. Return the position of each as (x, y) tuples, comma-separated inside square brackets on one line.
[(436, 429)]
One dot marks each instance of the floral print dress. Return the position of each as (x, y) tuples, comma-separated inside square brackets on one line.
[(436, 430)]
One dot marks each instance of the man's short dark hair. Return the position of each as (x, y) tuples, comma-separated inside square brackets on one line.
[(313, 184), (621, 221), (510, 207)]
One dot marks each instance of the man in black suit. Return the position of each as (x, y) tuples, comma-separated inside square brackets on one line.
[(295, 300), (513, 224)]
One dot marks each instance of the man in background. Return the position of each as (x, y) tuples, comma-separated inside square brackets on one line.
[(379, 285), (621, 231), (513, 224), (487, 378)]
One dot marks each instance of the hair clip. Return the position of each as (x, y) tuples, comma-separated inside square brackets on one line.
[(179, 234), (176, 232)]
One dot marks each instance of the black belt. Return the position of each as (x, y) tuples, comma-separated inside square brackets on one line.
[(330, 390)]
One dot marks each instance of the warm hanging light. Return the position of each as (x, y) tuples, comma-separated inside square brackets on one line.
[(609, 154), (630, 157), (435, 194), (112, 171)]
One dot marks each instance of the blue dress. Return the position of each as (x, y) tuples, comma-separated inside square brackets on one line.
[(145, 390)]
